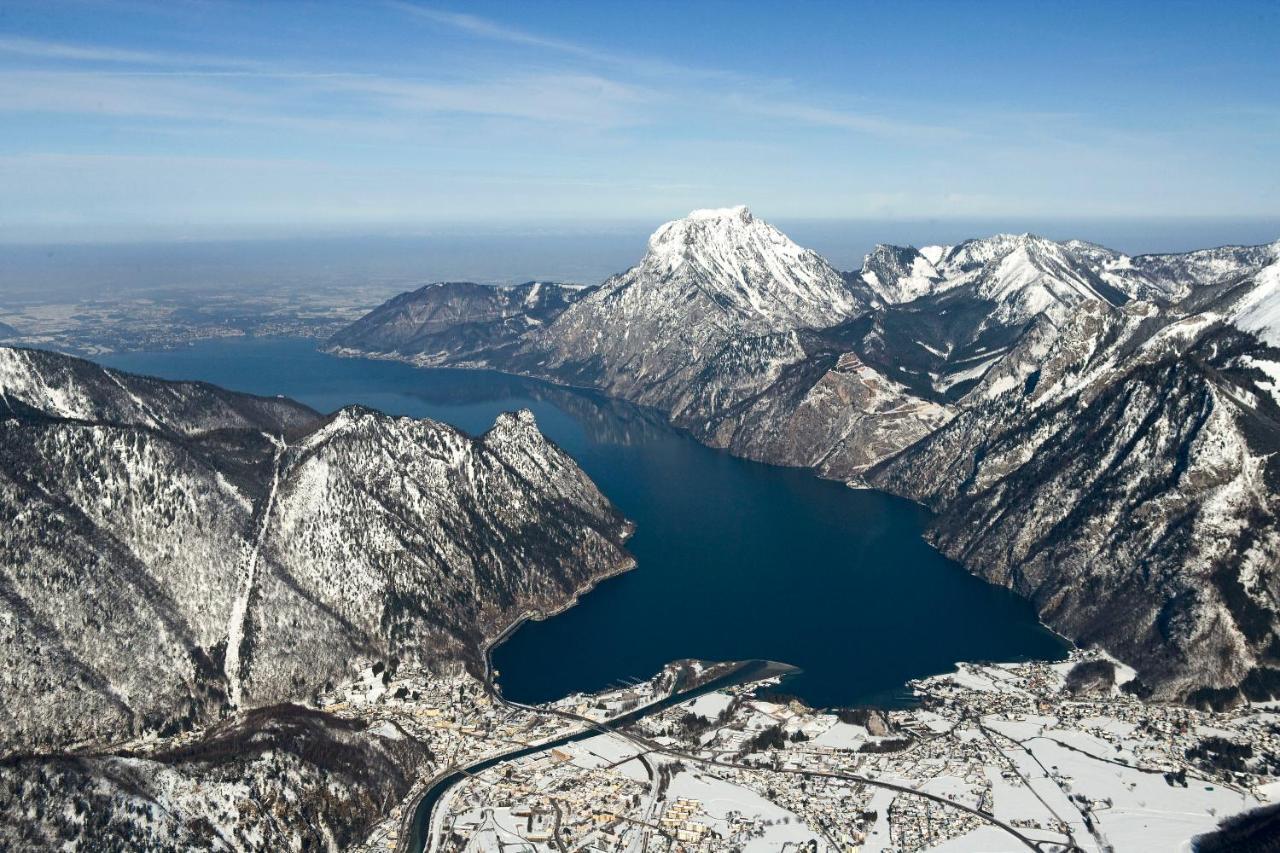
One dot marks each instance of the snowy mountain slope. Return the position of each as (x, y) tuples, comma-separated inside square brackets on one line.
[(899, 274), (1123, 477), (168, 548), (7, 332), (1255, 305), (803, 399), (954, 313), (80, 390), (277, 778), (1026, 276), (455, 318), (1022, 274), (1172, 277), (714, 276), (754, 273), (938, 345), (423, 520)]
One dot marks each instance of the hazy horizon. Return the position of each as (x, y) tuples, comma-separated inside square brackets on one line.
[(586, 253)]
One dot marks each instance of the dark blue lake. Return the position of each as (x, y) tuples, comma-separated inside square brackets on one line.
[(736, 559)]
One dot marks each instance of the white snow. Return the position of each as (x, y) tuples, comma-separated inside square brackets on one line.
[(1272, 369), (737, 212), (987, 839), (1259, 311), (975, 372), (933, 254), (842, 736), (248, 578), (753, 269), (720, 797)]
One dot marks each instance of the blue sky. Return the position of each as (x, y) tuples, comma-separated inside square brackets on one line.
[(136, 117)]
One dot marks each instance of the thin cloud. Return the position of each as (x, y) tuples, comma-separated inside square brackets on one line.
[(865, 123), (368, 102), (54, 50), (571, 98), (485, 28), (590, 99)]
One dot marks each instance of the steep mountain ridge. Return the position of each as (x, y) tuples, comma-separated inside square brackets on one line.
[(964, 306), (1255, 306), (1170, 278), (1023, 274), (898, 274), (171, 551), (1120, 474)]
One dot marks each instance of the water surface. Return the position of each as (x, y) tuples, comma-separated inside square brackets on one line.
[(737, 560)]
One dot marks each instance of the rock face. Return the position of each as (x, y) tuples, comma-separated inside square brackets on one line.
[(1094, 430), (171, 551), (805, 399)]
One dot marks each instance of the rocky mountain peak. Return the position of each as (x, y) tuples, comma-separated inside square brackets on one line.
[(747, 266), (513, 427), (899, 273)]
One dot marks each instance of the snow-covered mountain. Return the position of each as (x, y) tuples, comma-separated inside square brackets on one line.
[(1025, 275), (1022, 275), (451, 319), (731, 328), (952, 311), (1254, 304), (705, 280), (172, 551), (897, 274), (1121, 473), (1094, 429), (752, 271), (1172, 277)]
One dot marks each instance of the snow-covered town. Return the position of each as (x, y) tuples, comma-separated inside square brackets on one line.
[(991, 757)]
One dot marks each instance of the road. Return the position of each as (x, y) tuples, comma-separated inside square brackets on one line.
[(418, 831), (591, 728)]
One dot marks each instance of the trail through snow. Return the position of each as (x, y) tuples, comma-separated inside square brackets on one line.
[(248, 573)]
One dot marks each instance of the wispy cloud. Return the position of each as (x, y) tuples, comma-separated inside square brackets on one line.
[(865, 123), (641, 65), (598, 88), (485, 28), (416, 107), (569, 98), (357, 103), (709, 88), (56, 50)]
